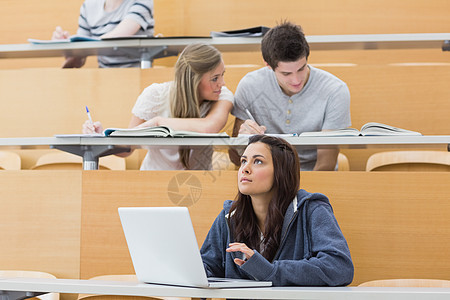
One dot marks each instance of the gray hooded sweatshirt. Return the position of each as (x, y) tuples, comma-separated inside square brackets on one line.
[(312, 252)]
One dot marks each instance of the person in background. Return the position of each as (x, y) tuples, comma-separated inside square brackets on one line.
[(273, 231), (108, 19), (290, 96), (197, 100)]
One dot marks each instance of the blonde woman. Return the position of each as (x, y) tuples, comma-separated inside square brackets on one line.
[(197, 100)]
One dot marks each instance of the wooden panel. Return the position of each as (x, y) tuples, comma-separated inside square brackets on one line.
[(155, 75), (191, 17), (317, 17), (44, 102), (103, 246), (397, 224), (23, 19), (411, 97), (199, 17), (40, 216)]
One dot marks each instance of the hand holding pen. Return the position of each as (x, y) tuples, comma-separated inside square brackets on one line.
[(90, 126), (250, 126)]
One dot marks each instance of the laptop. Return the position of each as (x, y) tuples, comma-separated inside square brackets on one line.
[(164, 250)]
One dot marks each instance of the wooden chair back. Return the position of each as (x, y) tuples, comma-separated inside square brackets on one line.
[(409, 161), (67, 161), (407, 283), (10, 161), (343, 164), (31, 274), (121, 277)]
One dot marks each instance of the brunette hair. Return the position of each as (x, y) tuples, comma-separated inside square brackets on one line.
[(286, 43), (286, 182), (195, 61)]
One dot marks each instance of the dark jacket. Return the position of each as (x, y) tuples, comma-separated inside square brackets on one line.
[(312, 252)]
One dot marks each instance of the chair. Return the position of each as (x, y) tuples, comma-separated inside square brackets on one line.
[(127, 277), (67, 161), (9, 160), (409, 161), (343, 164), (407, 283), (31, 274)]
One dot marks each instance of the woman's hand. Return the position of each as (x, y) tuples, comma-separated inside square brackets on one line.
[(234, 247), (89, 127)]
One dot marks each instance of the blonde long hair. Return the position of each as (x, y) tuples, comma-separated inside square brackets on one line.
[(195, 61)]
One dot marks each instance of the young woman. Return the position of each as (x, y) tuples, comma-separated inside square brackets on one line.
[(196, 100), (273, 231)]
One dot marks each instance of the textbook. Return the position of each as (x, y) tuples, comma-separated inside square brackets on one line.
[(368, 129), (80, 38), (158, 131), (280, 135), (73, 38)]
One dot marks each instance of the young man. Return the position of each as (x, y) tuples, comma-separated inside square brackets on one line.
[(109, 19), (290, 96)]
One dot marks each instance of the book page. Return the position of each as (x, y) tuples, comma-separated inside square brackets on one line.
[(338, 132), (374, 128), (73, 38), (158, 131)]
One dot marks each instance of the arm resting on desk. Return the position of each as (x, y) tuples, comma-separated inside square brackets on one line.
[(214, 121)]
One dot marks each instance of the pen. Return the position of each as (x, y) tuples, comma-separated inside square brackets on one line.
[(89, 114), (249, 115)]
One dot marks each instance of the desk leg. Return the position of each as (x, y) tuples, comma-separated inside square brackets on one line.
[(17, 295), (148, 54), (91, 153), (446, 46)]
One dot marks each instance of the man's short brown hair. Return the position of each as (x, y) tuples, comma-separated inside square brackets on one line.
[(285, 42)]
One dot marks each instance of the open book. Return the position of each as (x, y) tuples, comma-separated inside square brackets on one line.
[(72, 38), (368, 129), (280, 135), (159, 131)]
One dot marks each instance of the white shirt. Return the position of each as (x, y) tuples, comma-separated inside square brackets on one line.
[(155, 101)]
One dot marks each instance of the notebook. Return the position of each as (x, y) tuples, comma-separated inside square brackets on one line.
[(164, 250)]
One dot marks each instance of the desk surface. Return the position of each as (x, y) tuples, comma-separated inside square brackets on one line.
[(140, 289), (91, 148), (431, 141), (224, 44)]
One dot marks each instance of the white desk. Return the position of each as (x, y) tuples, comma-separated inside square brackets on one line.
[(17, 288), (151, 48), (91, 148)]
